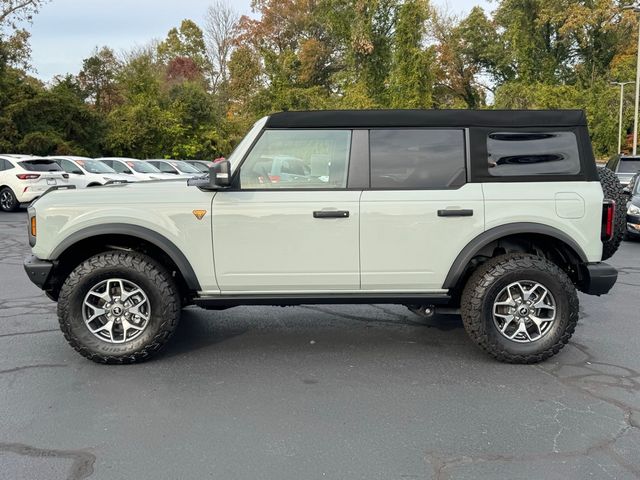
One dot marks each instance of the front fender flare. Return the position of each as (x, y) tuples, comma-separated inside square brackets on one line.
[(160, 241)]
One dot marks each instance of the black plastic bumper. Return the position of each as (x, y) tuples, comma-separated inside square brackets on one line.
[(599, 278), (38, 270)]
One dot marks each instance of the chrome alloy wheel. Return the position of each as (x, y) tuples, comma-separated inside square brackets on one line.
[(116, 310), (524, 311), (6, 200)]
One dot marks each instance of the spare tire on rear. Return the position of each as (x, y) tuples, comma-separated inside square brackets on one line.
[(613, 191)]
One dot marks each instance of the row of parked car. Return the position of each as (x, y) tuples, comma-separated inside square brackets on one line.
[(24, 178)]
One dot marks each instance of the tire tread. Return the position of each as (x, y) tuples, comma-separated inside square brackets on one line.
[(482, 279)]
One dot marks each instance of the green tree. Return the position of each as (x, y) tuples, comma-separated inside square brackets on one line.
[(411, 77), (186, 41), (98, 79)]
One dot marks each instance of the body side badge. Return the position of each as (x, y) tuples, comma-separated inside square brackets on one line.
[(199, 214)]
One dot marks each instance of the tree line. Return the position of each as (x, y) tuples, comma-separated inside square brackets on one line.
[(194, 93)]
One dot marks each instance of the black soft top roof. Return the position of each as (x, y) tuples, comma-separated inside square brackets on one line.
[(427, 118)]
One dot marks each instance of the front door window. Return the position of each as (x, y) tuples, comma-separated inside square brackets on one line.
[(298, 159)]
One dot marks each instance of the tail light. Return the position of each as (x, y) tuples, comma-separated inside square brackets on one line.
[(608, 216), (274, 178), (28, 176)]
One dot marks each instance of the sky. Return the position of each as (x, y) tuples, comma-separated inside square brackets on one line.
[(67, 31)]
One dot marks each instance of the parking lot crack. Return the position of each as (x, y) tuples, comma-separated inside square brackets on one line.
[(81, 468), (34, 332), (31, 367)]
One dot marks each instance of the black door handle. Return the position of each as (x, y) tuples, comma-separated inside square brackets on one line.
[(331, 214), (455, 213)]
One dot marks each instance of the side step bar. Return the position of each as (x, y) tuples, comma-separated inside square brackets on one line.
[(217, 301)]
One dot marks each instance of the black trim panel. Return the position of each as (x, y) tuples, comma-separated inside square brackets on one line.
[(134, 231), (358, 178), (37, 270), (599, 278), (473, 247), (426, 118), (328, 298)]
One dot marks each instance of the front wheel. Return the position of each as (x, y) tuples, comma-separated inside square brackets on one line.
[(118, 307), (520, 308)]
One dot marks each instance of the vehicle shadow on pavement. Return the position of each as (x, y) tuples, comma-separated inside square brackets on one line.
[(337, 325)]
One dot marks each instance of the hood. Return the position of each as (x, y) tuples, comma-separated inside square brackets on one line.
[(130, 194), (162, 176), (117, 177)]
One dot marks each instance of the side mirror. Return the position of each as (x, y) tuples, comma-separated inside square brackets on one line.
[(219, 177), (77, 172), (220, 174)]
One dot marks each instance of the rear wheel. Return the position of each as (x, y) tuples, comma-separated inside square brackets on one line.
[(613, 191), (118, 307), (8, 200), (520, 308)]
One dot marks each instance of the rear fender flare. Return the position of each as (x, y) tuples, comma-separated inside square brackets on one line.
[(477, 244)]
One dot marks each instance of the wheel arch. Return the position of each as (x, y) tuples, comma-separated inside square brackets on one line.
[(532, 232), (91, 240)]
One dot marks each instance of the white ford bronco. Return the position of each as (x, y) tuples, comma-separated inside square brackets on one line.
[(500, 214)]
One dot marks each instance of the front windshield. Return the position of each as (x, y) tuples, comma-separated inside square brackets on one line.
[(201, 167), (241, 150), (184, 167), (94, 166), (629, 166), (142, 167)]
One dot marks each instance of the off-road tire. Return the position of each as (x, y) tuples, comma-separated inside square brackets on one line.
[(485, 284), (13, 204), (156, 282), (613, 191)]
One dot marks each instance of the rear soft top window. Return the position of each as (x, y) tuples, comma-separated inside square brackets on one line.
[(525, 153), (40, 165)]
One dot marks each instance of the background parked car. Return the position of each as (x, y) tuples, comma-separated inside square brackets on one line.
[(633, 208), (200, 165), (135, 169), (86, 172), (175, 167), (25, 178), (625, 166)]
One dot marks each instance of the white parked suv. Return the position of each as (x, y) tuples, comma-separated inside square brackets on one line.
[(137, 170), (86, 172), (24, 178), (500, 214)]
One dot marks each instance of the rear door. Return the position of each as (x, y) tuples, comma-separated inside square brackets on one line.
[(420, 212), (297, 233)]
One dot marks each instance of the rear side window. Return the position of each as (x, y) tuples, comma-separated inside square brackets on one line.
[(532, 153), (416, 159), (41, 166)]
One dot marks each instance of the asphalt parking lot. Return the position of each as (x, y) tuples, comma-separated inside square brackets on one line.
[(318, 392)]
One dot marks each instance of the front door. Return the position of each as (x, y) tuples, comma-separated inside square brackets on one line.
[(292, 226)]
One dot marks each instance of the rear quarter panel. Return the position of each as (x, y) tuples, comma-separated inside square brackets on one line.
[(572, 207)]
